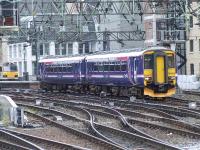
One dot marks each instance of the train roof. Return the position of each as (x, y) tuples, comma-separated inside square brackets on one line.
[(111, 55), (126, 53), (63, 59)]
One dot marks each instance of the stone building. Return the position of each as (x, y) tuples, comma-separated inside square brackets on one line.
[(193, 42)]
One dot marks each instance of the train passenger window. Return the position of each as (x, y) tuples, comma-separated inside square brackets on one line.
[(171, 62), (90, 67), (0, 69), (60, 69), (101, 68), (51, 69), (74, 68), (56, 69), (117, 67), (95, 67), (46, 69), (106, 67), (64, 69), (123, 67), (148, 61), (69, 68), (112, 67)]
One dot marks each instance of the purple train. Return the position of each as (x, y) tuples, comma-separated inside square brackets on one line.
[(148, 72)]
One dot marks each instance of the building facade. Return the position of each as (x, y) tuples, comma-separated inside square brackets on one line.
[(193, 42), (168, 29)]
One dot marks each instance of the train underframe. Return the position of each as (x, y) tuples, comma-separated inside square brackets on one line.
[(95, 89)]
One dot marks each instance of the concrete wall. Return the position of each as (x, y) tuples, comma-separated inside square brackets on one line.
[(7, 106)]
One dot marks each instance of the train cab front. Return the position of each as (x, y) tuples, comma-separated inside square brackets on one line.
[(159, 73)]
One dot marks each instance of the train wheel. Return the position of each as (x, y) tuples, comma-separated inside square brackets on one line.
[(123, 91), (140, 93), (97, 90)]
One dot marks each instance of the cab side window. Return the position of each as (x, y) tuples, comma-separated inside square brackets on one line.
[(0, 69)]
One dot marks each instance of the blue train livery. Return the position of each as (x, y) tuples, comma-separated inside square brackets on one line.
[(139, 72)]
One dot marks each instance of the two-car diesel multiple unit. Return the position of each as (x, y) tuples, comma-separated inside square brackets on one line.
[(148, 72)]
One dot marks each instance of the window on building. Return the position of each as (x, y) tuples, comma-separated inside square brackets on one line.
[(199, 44), (46, 52), (33, 68), (199, 69), (191, 45), (10, 51), (87, 48), (19, 50), (80, 48), (63, 49), (191, 69), (24, 51), (20, 68), (33, 49), (191, 21), (41, 49), (70, 48), (57, 50), (14, 51)]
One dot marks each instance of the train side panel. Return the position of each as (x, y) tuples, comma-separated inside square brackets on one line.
[(113, 72), (64, 73)]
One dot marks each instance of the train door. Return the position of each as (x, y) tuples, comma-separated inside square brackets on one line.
[(83, 70), (135, 70), (160, 67)]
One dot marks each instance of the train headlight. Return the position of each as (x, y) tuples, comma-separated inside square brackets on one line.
[(172, 78), (148, 78)]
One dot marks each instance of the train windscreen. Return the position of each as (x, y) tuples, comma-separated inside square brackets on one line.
[(170, 61), (13, 67), (148, 61)]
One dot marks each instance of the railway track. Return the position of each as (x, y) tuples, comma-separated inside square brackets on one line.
[(116, 138), (11, 141), (5, 145), (153, 130), (82, 135), (155, 115), (45, 143)]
